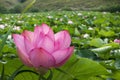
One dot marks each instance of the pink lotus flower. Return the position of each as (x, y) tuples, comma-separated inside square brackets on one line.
[(117, 41), (43, 48)]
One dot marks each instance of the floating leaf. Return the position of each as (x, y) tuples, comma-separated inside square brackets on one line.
[(103, 52), (97, 42), (104, 49), (80, 69), (106, 33), (86, 53)]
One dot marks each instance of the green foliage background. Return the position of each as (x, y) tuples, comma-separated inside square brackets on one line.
[(96, 57)]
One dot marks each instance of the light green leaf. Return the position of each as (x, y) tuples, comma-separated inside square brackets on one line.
[(116, 75), (104, 49), (97, 42), (103, 52), (80, 69), (106, 33)]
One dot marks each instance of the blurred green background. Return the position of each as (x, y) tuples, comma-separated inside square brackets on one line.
[(16, 6)]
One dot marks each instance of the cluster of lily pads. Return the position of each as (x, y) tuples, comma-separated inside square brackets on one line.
[(94, 35)]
